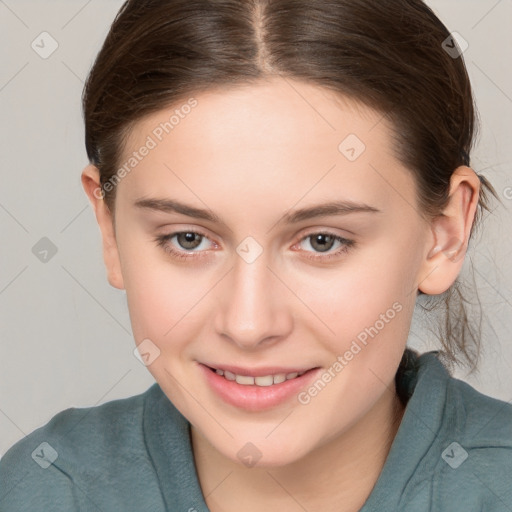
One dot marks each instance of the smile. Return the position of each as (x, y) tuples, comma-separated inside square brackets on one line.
[(270, 387), (265, 380)]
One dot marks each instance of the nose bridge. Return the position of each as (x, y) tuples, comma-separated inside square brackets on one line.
[(250, 312)]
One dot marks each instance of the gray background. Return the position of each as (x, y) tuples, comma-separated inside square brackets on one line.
[(65, 333)]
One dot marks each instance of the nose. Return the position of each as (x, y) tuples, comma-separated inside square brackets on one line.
[(252, 309)]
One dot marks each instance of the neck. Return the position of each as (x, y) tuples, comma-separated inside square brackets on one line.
[(343, 470)]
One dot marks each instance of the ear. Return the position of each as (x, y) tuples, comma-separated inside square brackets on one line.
[(91, 184), (450, 234)]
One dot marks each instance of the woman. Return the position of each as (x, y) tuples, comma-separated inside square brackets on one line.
[(276, 182)]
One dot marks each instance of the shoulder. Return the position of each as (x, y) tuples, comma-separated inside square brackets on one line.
[(485, 419), (484, 423), (56, 463), (479, 419), (476, 452)]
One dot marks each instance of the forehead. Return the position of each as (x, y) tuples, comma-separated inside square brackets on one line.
[(268, 113), (280, 133)]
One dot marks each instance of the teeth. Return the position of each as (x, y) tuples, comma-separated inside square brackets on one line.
[(280, 377), (267, 380), (229, 375), (245, 380)]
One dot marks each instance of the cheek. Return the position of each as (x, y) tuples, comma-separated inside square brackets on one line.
[(161, 296), (365, 307), (355, 294)]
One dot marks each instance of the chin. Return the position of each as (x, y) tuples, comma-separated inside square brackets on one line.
[(265, 454)]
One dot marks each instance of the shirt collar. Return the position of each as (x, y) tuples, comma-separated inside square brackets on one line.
[(167, 435), (418, 430)]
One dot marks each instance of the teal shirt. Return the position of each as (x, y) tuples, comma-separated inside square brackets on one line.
[(452, 452)]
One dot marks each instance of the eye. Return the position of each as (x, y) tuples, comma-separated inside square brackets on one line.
[(324, 241), (187, 240)]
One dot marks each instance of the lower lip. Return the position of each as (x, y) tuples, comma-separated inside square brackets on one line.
[(253, 397)]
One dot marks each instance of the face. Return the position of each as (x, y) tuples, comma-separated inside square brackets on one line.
[(259, 286)]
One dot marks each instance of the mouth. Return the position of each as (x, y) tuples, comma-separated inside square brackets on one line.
[(269, 388), (255, 390), (270, 379)]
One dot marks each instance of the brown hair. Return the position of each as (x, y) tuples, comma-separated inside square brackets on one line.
[(388, 55)]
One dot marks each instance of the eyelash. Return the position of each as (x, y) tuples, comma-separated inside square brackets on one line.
[(162, 241)]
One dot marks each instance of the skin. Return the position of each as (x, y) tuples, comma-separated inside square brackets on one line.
[(251, 154)]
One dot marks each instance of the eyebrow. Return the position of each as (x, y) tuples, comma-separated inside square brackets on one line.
[(319, 210)]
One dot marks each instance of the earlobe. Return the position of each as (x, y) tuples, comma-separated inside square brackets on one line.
[(442, 265), (450, 234), (91, 183)]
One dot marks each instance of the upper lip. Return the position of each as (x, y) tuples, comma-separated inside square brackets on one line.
[(258, 372)]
